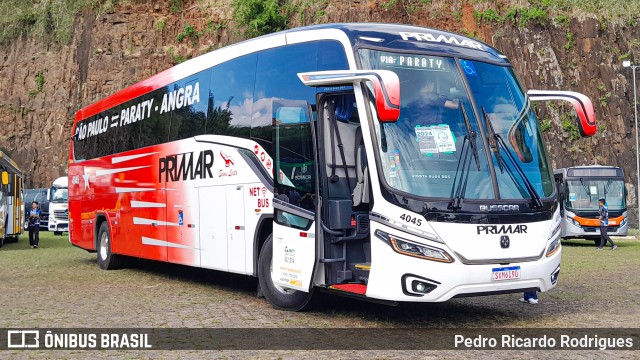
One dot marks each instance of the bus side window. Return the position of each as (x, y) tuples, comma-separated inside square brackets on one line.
[(230, 97)]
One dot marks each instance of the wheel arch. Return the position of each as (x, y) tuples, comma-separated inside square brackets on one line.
[(100, 218), (263, 230)]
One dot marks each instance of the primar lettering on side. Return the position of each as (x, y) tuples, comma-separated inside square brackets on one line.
[(502, 229), (181, 167)]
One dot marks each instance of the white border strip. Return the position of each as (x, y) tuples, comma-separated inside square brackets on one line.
[(145, 204), (143, 221), (156, 242), (120, 190), (121, 170), (120, 159)]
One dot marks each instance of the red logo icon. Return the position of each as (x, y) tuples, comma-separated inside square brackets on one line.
[(228, 161), (264, 191), (269, 164), (262, 156), (256, 149)]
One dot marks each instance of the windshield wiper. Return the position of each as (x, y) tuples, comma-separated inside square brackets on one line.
[(471, 134), (458, 195), (493, 142), (466, 163), (499, 142)]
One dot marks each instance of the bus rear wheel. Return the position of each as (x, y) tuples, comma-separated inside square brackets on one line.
[(106, 259), (278, 297)]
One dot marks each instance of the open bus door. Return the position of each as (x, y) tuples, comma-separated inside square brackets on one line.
[(294, 236)]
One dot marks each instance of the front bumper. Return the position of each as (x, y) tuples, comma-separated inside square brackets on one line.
[(58, 226), (571, 230), (395, 275)]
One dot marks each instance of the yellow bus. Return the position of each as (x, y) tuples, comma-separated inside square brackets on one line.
[(11, 205)]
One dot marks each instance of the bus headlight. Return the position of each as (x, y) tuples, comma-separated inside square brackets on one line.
[(623, 222), (573, 222), (409, 248), (553, 247)]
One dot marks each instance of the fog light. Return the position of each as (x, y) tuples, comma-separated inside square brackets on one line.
[(422, 287)]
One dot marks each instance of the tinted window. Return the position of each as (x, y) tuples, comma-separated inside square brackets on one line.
[(188, 118), (277, 79), (231, 97), (295, 164)]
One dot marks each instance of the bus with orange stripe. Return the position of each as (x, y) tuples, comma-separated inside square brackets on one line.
[(579, 189)]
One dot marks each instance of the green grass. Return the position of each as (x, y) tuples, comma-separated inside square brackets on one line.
[(72, 291)]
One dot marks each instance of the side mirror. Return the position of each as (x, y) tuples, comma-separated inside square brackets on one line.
[(386, 87), (581, 103), (5, 178)]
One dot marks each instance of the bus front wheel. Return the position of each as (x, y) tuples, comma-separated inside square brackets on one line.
[(278, 297), (106, 259)]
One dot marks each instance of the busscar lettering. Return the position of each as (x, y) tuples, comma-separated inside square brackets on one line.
[(502, 229), (181, 167)]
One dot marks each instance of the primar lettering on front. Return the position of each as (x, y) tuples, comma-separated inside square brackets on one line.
[(502, 229), (181, 167)]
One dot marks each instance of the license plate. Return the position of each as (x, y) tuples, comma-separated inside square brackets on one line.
[(505, 273)]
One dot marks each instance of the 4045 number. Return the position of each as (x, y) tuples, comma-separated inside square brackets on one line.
[(411, 219)]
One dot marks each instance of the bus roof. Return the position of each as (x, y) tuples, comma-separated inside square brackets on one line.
[(404, 38), (8, 164)]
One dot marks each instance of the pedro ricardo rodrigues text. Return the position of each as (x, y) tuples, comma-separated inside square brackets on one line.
[(548, 342)]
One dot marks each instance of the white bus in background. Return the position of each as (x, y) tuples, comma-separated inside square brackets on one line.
[(579, 190), (58, 196)]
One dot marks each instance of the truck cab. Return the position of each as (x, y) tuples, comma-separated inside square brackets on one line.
[(58, 196)]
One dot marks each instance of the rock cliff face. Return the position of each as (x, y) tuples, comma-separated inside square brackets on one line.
[(43, 84)]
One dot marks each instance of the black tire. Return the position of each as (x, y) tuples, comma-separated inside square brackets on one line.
[(57, 233), (279, 298), (106, 259)]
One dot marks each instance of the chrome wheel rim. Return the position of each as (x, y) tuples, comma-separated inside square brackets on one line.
[(104, 242)]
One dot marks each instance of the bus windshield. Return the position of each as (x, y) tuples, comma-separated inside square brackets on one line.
[(424, 152), (584, 194), (59, 195)]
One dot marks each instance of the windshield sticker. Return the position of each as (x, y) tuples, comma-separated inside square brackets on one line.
[(394, 163), (426, 140), (594, 190), (468, 67), (444, 139), (572, 196)]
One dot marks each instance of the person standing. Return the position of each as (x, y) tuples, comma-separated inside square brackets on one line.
[(34, 225), (603, 212), (294, 197)]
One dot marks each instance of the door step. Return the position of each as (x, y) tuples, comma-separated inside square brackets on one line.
[(360, 289), (363, 266)]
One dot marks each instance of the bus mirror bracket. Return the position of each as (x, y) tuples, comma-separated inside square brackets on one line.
[(386, 87), (5, 178), (581, 103)]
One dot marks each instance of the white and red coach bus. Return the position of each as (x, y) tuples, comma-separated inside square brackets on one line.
[(385, 162)]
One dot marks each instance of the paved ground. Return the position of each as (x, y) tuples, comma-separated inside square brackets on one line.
[(60, 286)]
